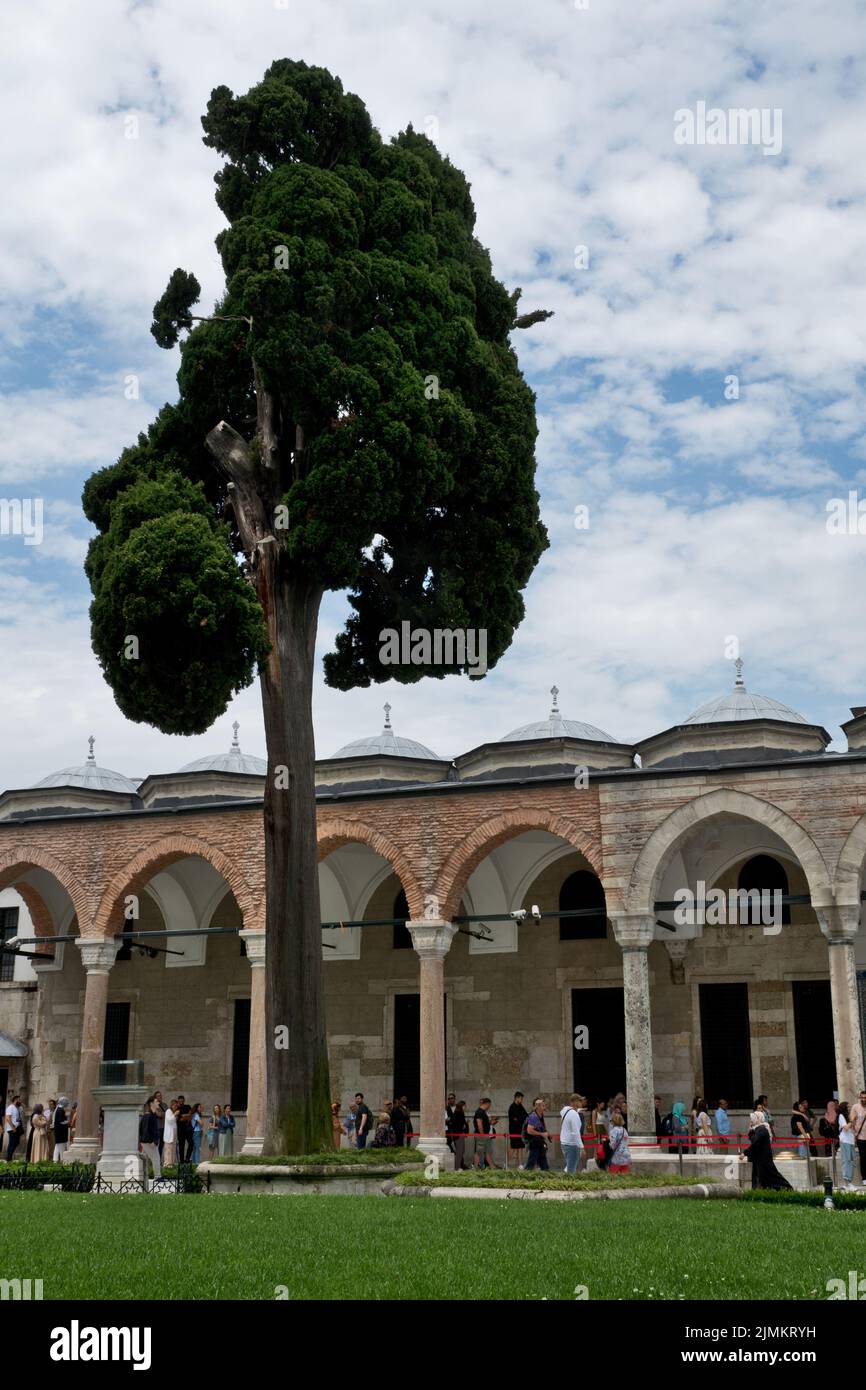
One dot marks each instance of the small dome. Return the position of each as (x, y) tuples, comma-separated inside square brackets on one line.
[(232, 761), (386, 744), (89, 776), (554, 726), (738, 704)]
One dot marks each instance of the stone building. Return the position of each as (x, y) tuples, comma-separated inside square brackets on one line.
[(564, 850)]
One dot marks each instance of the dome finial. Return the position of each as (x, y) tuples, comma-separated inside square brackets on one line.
[(90, 743), (387, 709), (554, 709), (235, 745), (739, 683)]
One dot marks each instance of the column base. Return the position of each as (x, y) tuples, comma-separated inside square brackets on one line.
[(83, 1150), (253, 1144), (436, 1147)]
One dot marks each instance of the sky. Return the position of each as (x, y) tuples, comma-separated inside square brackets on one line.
[(700, 386)]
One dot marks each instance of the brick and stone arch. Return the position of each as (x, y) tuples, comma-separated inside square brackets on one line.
[(669, 835), (849, 869), (485, 838), (16, 863), (160, 855), (333, 834)]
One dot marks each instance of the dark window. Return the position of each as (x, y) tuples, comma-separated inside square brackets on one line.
[(240, 1054), (813, 1033), (8, 928), (4, 1087), (599, 1057), (726, 1045), (116, 1042), (583, 890), (407, 1046), (767, 875), (402, 938)]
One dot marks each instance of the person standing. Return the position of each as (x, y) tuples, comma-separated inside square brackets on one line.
[(169, 1149), (449, 1115), (571, 1135), (846, 1145), (196, 1128), (213, 1132), (517, 1117), (61, 1128), (723, 1124), (363, 1121), (184, 1130), (703, 1128), (401, 1121), (338, 1129), (537, 1137), (801, 1127), (481, 1128), (227, 1133), (459, 1129), (12, 1126), (598, 1121), (349, 1122), (160, 1120), (620, 1154), (760, 1153), (148, 1137), (384, 1137), (38, 1141), (858, 1120), (761, 1104)]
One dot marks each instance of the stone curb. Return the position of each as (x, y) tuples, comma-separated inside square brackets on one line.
[(701, 1190)]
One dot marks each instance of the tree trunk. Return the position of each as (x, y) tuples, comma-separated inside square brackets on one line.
[(298, 1118)]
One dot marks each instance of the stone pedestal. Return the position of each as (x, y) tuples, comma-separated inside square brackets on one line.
[(634, 935), (97, 957), (122, 1106), (432, 941), (840, 924), (254, 1140)]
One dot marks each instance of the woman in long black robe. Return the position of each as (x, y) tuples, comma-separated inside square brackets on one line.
[(760, 1155)]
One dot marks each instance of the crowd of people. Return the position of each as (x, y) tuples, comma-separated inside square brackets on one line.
[(48, 1130)]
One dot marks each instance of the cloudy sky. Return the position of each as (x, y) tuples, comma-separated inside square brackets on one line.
[(707, 504)]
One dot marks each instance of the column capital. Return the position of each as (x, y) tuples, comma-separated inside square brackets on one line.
[(255, 944), (840, 922), (97, 954), (432, 938), (676, 948), (634, 932)]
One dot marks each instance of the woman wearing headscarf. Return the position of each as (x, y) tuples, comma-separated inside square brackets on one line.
[(828, 1129), (760, 1154), (39, 1146), (679, 1127)]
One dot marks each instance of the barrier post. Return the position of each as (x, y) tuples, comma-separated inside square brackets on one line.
[(680, 1153), (833, 1162)]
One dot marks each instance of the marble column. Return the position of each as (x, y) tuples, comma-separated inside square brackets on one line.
[(840, 924), (254, 1140), (633, 935), (432, 941), (97, 956)]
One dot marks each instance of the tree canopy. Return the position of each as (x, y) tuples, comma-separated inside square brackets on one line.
[(362, 344)]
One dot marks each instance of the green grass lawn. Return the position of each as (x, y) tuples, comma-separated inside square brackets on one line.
[(201, 1247)]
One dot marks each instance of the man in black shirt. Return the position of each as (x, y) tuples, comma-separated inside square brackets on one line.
[(184, 1131), (483, 1125), (517, 1117), (363, 1120)]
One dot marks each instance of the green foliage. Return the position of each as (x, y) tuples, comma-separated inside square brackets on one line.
[(547, 1182), (354, 1158), (381, 334), (72, 1177)]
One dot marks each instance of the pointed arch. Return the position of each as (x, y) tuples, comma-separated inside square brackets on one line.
[(17, 862), (664, 840), (333, 834)]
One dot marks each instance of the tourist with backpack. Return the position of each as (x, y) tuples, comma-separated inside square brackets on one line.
[(571, 1135)]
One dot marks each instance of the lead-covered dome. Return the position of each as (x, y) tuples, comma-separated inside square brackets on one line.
[(740, 704), (89, 776), (554, 726), (232, 761), (387, 744)]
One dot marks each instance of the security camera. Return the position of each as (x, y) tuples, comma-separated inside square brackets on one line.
[(13, 940), (536, 912), (519, 915)]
